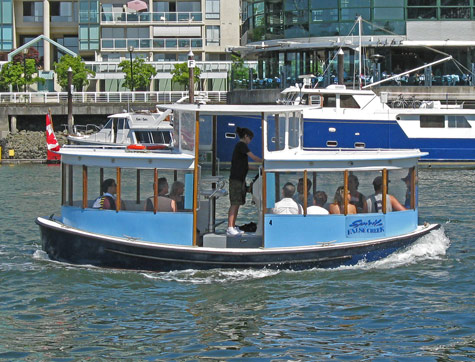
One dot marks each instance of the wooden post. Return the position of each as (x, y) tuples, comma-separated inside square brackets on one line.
[(84, 186), (63, 184), (155, 190), (70, 185), (118, 182), (385, 189), (138, 187), (413, 187), (305, 192), (314, 186), (101, 180), (195, 178), (345, 191)]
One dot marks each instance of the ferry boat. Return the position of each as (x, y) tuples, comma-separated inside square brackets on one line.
[(129, 237), (128, 128)]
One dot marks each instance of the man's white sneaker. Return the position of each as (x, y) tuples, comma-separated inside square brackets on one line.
[(232, 231), (239, 230)]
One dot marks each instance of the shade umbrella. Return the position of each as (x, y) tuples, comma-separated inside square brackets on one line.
[(137, 5)]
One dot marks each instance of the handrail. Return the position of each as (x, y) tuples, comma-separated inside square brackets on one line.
[(105, 97)]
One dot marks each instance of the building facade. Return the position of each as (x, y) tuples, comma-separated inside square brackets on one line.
[(294, 37), (105, 32)]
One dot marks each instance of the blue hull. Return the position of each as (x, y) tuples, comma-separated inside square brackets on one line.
[(373, 134)]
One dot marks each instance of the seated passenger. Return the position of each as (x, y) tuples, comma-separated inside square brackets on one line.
[(375, 201), (357, 198), (338, 205), (319, 200), (298, 197), (107, 200), (287, 205), (164, 203), (178, 188)]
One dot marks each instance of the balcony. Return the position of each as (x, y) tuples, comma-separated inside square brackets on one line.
[(151, 44), (149, 18), (161, 67)]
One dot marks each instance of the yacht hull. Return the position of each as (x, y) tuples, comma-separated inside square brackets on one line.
[(67, 244)]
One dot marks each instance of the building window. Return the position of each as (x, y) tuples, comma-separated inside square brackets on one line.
[(32, 12), (89, 11), (212, 35), (88, 37), (6, 37), (212, 9), (62, 11)]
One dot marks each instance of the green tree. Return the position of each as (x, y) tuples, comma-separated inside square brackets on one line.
[(80, 72), (142, 73), (19, 74), (239, 70), (181, 74)]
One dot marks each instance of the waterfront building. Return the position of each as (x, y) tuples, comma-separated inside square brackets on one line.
[(295, 37), (105, 32)]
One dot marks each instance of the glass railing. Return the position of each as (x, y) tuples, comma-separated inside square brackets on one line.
[(150, 17), (151, 44), (161, 67)]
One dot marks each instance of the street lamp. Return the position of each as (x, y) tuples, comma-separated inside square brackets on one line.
[(131, 50), (25, 52), (191, 82)]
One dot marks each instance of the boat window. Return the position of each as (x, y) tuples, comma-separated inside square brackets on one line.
[(108, 125), (324, 189), (458, 122), (332, 144), (432, 121), (360, 145), (329, 100), (347, 101), (315, 100), (230, 135), (120, 123), (126, 123)]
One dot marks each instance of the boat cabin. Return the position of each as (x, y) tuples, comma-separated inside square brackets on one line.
[(329, 204), (335, 96), (140, 127)]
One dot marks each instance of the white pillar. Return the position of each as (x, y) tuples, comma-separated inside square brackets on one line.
[(46, 33)]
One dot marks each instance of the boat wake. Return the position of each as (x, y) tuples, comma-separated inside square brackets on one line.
[(432, 246), (213, 276)]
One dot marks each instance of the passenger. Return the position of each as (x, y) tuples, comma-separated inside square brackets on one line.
[(164, 203), (338, 205), (178, 188), (298, 197), (375, 203), (357, 198), (287, 205), (107, 200), (319, 201), (237, 177)]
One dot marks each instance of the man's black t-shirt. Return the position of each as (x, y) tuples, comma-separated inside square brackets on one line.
[(239, 162)]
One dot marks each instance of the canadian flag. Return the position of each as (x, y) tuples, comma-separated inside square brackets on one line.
[(51, 141)]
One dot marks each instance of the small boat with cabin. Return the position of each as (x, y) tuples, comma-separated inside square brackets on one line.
[(138, 232), (145, 127)]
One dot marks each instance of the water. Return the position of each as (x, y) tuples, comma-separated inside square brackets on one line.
[(416, 305)]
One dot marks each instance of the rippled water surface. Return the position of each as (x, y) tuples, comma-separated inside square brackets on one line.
[(416, 305)]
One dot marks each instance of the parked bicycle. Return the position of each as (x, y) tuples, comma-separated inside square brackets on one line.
[(402, 102)]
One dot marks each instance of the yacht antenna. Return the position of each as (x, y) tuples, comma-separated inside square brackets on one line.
[(360, 51)]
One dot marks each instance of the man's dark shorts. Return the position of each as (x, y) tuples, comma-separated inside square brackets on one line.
[(237, 192)]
